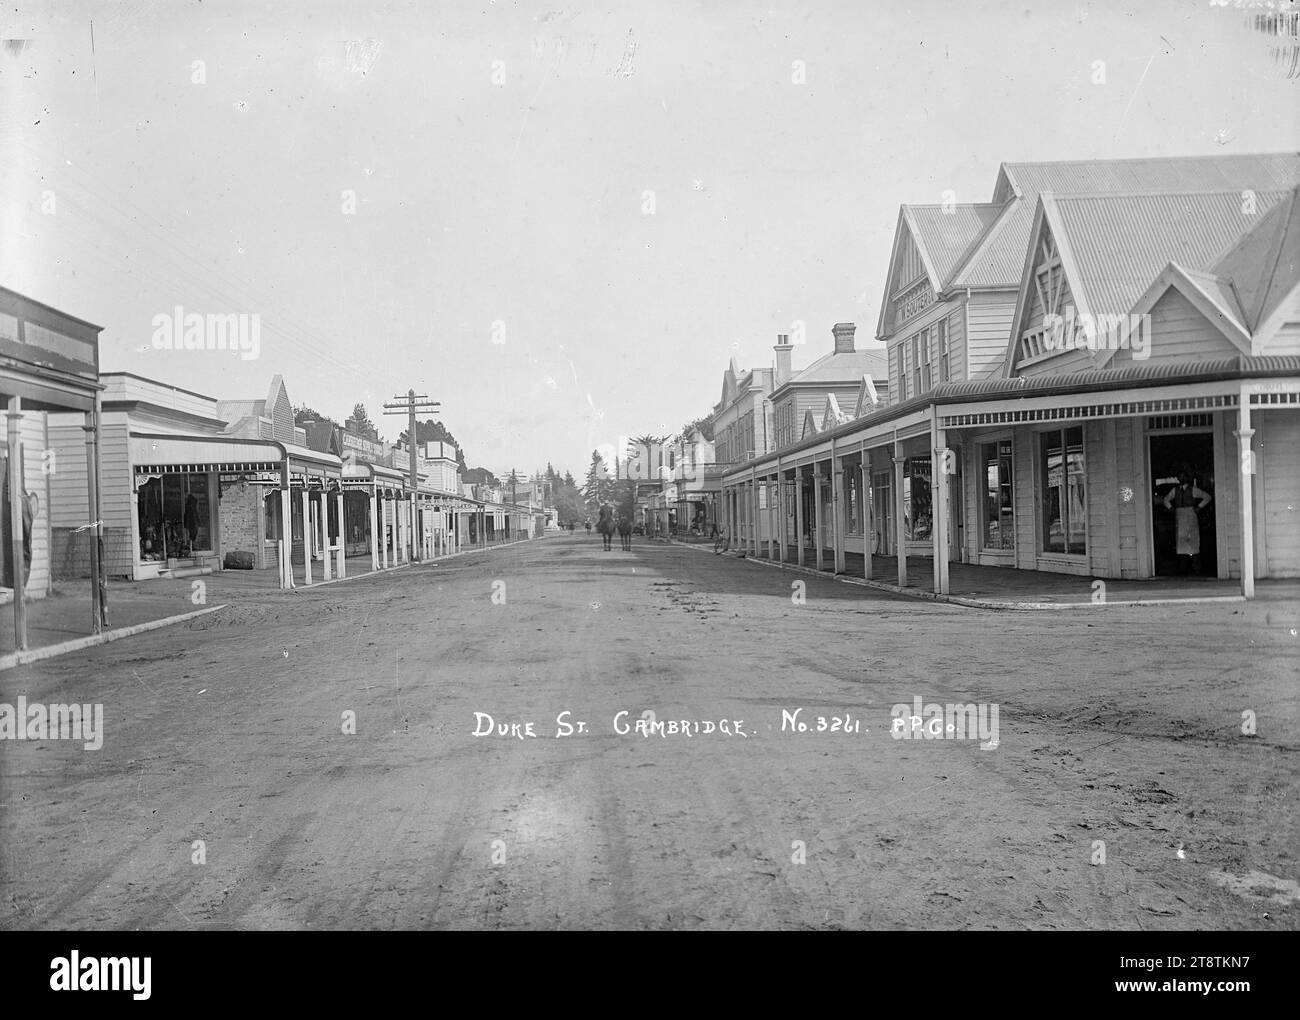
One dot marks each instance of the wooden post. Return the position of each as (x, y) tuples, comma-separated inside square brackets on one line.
[(837, 511), (939, 463), (16, 497), (900, 526), (342, 536), (92, 500), (798, 515), (868, 510), (286, 533), (817, 515), (1246, 472), (780, 513), (323, 513), (98, 545), (308, 532), (770, 489)]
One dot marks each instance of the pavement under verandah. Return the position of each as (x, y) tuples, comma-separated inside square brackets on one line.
[(1005, 586)]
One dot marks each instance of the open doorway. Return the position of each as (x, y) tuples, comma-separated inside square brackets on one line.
[(1192, 454)]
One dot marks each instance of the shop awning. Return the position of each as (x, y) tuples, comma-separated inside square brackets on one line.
[(155, 454)]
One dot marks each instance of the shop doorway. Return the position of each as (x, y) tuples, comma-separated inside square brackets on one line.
[(1170, 456), (882, 514)]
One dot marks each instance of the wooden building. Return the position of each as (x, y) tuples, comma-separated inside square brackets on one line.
[(1151, 331), (49, 366)]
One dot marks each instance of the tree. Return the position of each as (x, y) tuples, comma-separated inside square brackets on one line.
[(304, 414), (361, 424), (599, 485)]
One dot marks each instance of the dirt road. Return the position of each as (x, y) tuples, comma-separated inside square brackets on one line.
[(229, 791)]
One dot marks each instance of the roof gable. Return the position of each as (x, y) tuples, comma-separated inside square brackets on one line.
[(1263, 267), (868, 398), (1112, 247), (832, 415)]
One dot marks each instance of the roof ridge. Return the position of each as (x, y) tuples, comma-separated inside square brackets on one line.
[(1102, 195), (1149, 159)]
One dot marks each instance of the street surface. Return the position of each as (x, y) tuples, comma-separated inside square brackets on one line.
[(1120, 793)]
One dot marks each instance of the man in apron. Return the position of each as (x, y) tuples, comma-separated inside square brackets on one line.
[(1185, 499)]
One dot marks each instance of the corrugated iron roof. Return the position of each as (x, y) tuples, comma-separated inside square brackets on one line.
[(946, 233), (1120, 243), (1000, 258), (1263, 267), (1268, 171)]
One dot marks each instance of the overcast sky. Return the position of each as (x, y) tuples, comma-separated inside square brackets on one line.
[(500, 155)]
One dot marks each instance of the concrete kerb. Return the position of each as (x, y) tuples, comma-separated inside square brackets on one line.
[(77, 644), (972, 603)]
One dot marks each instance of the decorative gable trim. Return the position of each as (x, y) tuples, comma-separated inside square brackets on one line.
[(1048, 249), (868, 398)]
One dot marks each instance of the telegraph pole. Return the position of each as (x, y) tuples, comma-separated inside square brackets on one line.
[(408, 405)]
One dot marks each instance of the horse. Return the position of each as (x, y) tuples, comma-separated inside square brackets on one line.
[(625, 533), (606, 528)]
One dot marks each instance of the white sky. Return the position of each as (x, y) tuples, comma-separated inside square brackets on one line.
[(523, 202)]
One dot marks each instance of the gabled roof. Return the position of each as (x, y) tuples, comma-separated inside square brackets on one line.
[(1263, 267), (998, 258), (811, 426), (1119, 243), (944, 234), (1112, 248)]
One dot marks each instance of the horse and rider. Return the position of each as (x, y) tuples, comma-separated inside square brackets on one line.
[(606, 526), (610, 522)]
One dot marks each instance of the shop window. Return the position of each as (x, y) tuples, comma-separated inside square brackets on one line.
[(174, 516), (916, 498), (999, 496), (1063, 491)]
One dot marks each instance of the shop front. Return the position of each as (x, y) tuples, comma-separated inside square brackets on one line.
[(193, 501)]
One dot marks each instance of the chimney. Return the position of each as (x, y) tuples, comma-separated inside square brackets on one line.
[(844, 337), (783, 348)]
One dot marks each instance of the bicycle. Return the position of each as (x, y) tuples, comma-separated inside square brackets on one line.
[(722, 543)]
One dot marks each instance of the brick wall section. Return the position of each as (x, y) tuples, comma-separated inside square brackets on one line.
[(240, 509)]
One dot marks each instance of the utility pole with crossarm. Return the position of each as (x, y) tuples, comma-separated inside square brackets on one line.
[(408, 405)]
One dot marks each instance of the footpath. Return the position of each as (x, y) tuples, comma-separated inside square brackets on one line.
[(62, 621)]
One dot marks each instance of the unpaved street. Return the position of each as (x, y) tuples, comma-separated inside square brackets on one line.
[(1117, 726)]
